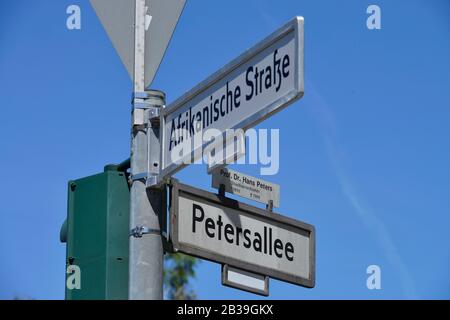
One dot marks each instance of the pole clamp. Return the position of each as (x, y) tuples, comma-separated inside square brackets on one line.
[(144, 101), (139, 176), (138, 100), (139, 95), (150, 179), (140, 231), (154, 112)]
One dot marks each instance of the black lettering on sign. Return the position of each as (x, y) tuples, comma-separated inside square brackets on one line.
[(195, 218), (261, 241), (260, 80)]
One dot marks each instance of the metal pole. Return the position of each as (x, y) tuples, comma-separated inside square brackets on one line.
[(146, 249)]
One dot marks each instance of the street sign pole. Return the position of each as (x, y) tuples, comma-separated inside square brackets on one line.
[(140, 31), (146, 250)]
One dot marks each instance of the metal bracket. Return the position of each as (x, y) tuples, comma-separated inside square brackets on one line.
[(167, 243), (147, 116), (139, 176), (222, 190), (139, 95), (151, 180), (140, 231), (269, 206), (138, 108), (154, 111), (154, 116), (141, 102), (140, 105)]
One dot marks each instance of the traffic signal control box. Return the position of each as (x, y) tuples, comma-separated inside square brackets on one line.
[(96, 234)]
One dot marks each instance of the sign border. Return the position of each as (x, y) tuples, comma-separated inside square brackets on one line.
[(296, 25), (178, 189)]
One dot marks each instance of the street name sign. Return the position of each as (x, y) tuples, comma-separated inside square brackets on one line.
[(229, 232), (246, 186), (118, 18), (259, 83), (244, 280), (230, 151)]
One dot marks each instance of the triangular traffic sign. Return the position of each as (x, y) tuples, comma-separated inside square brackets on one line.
[(117, 18)]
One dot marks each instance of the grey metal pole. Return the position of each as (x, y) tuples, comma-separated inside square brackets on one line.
[(146, 207)]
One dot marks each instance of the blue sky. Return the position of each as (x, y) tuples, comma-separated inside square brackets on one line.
[(364, 155)]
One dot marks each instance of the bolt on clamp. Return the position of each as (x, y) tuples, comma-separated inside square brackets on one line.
[(140, 231), (151, 179)]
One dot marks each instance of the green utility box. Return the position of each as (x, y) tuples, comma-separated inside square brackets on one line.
[(96, 234)]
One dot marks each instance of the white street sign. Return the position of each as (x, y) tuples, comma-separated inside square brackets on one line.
[(259, 83), (229, 152), (246, 186), (244, 280), (229, 232), (118, 17)]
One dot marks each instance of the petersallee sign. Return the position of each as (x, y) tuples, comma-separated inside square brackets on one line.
[(227, 231)]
